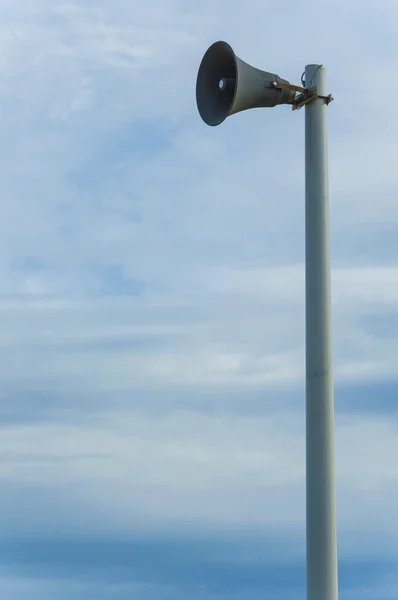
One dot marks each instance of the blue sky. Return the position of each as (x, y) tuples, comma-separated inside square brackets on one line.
[(152, 302)]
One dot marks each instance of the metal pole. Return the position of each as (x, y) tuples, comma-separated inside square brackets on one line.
[(322, 579)]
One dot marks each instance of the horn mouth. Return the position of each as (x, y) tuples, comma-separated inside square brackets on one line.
[(216, 83)]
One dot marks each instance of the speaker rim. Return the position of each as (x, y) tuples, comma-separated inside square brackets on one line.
[(211, 49)]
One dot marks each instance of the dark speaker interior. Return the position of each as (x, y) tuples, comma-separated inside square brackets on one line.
[(214, 104)]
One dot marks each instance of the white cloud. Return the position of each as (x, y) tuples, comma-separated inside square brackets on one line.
[(244, 327), (127, 472), (105, 165)]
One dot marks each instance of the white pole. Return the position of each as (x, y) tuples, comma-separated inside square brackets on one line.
[(322, 579)]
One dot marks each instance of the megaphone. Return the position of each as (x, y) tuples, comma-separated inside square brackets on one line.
[(227, 85)]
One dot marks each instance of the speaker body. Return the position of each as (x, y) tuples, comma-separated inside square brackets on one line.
[(227, 85)]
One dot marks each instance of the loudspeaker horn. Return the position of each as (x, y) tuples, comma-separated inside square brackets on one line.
[(227, 85)]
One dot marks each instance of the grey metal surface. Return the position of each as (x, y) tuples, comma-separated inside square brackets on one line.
[(244, 86), (227, 85), (322, 577)]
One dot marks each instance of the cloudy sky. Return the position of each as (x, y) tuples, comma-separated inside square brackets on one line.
[(152, 302)]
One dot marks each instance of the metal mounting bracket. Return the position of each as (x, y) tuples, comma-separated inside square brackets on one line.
[(309, 95), (304, 95)]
